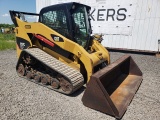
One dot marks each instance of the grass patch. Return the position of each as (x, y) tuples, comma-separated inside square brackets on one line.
[(7, 45), (7, 41)]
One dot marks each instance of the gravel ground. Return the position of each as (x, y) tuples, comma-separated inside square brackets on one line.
[(23, 100)]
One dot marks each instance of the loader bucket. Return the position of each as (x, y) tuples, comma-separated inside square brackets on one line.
[(111, 89)]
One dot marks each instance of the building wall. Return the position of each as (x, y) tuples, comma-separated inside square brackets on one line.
[(139, 31), (145, 32)]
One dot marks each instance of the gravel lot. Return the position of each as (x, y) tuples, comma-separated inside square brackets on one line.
[(24, 100)]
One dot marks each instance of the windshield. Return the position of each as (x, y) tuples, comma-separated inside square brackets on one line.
[(81, 25), (56, 19)]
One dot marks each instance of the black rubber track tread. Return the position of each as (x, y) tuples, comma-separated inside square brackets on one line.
[(72, 75)]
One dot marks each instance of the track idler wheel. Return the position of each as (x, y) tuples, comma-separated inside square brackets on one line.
[(21, 70), (65, 85), (29, 75), (54, 83), (37, 78), (44, 79)]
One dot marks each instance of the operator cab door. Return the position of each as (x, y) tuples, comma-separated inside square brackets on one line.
[(57, 19), (81, 26), (70, 20)]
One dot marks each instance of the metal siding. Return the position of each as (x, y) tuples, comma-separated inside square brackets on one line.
[(155, 34), (158, 9), (140, 36), (42, 3), (113, 25), (145, 31)]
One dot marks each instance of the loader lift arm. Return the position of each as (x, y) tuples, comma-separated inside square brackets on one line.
[(19, 14)]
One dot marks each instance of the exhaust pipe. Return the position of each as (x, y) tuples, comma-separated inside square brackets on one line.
[(111, 89)]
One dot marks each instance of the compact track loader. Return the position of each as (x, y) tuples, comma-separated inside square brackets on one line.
[(60, 53)]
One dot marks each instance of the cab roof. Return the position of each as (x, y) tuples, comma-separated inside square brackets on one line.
[(63, 6)]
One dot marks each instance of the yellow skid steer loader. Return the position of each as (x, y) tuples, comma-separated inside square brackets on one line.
[(59, 52)]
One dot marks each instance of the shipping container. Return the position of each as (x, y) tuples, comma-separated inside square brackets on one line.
[(125, 24)]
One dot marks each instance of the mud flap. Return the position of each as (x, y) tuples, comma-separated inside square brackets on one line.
[(111, 89)]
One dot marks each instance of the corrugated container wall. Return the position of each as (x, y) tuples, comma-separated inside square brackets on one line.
[(125, 24)]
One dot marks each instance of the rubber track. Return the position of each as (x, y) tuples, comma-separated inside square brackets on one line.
[(73, 76)]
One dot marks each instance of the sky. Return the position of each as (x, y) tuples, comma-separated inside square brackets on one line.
[(16, 5)]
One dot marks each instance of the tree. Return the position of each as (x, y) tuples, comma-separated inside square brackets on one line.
[(7, 25)]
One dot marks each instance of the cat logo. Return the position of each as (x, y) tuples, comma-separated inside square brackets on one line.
[(56, 39)]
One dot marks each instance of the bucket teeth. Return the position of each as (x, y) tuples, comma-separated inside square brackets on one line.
[(111, 89)]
